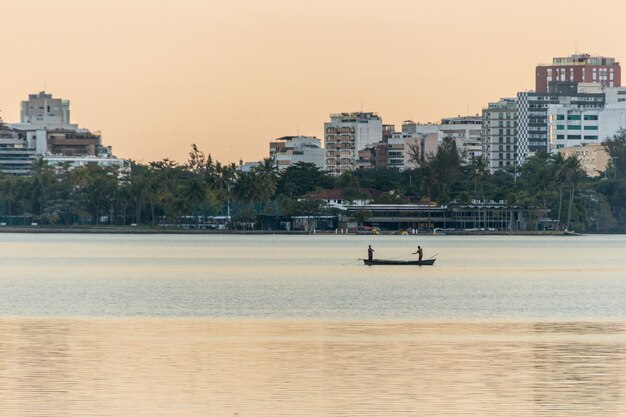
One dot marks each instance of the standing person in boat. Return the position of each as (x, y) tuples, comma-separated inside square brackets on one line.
[(370, 253), (419, 253)]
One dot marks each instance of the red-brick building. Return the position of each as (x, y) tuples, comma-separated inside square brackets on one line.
[(579, 68)]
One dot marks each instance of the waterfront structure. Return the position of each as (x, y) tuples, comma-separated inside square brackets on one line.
[(532, 115), (474, 216), (345, 135), (44, 110), (499, 134), (578, 68), (288, 150), (593, 158), (466, 132)]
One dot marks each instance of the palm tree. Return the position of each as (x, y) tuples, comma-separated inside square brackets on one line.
[(558, 169), (42, 180), (573, 174), (9, 187), (479, 171), (267, 179)]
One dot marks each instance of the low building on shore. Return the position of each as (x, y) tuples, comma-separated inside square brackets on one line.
[(473, 216)]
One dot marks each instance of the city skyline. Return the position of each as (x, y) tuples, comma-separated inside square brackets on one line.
[(156, 77)]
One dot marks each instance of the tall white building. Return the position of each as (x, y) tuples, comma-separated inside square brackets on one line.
[(533, 132), (499, 134), (348, 133), (289, 150)]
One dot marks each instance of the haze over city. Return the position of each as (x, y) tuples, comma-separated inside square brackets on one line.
[(156, 76)]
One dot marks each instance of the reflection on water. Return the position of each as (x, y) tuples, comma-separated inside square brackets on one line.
[(160, 367)]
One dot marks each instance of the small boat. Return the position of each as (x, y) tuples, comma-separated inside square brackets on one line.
[(393, 262)]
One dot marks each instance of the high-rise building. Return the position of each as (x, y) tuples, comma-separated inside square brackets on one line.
[(44, 110), (345, 135), (532, 115), (499, 134), (578, 68)]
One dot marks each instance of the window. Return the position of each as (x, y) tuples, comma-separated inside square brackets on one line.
[(591, 127), (560, 117), (573, 127), (560, 136), (592, 137), (573, 117), (560, 127), (591, 117), (573, 136)]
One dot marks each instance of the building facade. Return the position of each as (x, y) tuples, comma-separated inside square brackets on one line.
[(593, 158), (570, 126), (499, 134), (289, 150), (16, 156), (345, 135), (44, 110), (578, 68), (532, 115), (466, 132), (612, 119)]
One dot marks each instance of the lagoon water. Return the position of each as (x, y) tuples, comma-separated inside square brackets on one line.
[(212, 325)]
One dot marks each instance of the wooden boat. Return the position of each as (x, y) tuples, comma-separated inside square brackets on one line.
[(392, 262)]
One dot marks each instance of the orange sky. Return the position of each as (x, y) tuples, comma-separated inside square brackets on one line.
[(157, 75)]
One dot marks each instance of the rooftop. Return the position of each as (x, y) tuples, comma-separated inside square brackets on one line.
[(581, 59)]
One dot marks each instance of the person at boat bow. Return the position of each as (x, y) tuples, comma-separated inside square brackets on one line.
[(370, 253), (419, 253)]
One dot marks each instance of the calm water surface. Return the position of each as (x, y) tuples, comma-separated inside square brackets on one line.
[(111, 325)]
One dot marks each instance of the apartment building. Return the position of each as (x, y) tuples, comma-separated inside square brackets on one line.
[(499, 134), (345, 135), (532, 114)]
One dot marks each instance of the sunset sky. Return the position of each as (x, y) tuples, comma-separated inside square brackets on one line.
[(155, 76)]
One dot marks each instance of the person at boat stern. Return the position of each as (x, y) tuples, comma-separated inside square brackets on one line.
[(370, 253), (419, 253)]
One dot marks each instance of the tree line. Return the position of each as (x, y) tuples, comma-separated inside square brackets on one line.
[(163, 192)]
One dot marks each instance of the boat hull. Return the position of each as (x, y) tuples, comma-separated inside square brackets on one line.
[(392, 262)]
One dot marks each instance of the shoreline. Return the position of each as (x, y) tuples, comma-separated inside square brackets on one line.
[(172, 231)]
